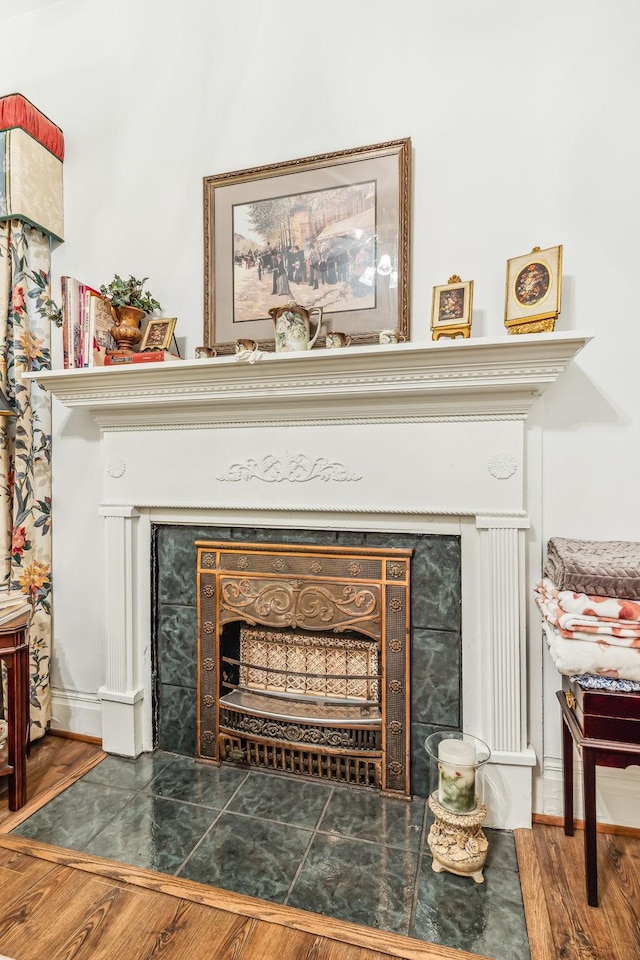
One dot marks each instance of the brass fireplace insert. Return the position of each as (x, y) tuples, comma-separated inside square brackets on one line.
[(303, 660)]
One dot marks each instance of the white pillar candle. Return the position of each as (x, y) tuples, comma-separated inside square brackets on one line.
[(457, 775)]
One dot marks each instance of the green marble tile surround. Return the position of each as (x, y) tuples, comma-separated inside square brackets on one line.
[(435, 620), (344, 852)]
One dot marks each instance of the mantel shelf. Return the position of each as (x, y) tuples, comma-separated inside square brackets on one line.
[(476, 378)]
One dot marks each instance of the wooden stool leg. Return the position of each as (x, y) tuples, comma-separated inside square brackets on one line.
[(567, 777), (17, 720), (590, 837)]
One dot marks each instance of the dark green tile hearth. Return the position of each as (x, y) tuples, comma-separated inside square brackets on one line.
[(365, 815), (255, 857), (199, 783), (348, 853), (129, 774), (486, 918), (153, 833), (364, 883), (71, 819), (285, 799)]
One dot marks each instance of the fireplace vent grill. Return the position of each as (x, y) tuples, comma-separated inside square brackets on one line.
[(303, 660), (338, 768)]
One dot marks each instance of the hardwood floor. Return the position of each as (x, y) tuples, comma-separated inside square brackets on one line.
[(559, 921), (55, 903)]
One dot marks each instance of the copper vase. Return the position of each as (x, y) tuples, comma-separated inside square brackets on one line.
[(126, 330)]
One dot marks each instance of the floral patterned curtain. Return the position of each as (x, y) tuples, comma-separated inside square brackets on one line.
[(25, 445)]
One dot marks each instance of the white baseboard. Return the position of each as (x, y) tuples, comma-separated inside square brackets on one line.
[(617, 793), (73, 711)]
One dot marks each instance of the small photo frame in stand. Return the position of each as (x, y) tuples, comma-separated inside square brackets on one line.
[(158, 334), (533, 291), (451, 309)]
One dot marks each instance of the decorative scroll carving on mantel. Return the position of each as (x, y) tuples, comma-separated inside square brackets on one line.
[(478, 377), (295, 469), (502, 465)]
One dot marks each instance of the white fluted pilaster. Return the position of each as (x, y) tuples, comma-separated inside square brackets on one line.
[(504, 668), (122, 691)]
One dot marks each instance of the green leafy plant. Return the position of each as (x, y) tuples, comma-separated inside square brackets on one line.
[(49, 310), (129, 293)]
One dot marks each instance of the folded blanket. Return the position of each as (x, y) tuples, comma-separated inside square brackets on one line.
[(602, 659), (589, 681), (604, 608), (607, 568), (624, 633)]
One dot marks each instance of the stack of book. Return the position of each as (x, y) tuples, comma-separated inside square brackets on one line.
[(13, 604), (143, 356), (86, 325)]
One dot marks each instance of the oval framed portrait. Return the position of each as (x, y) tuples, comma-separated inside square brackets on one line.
[(533, 287)]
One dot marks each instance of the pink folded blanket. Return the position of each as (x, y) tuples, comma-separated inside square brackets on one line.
[(589, 608), (578, 622)]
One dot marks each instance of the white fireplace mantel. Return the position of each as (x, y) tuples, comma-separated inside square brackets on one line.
[(448, 378), (417, 437)]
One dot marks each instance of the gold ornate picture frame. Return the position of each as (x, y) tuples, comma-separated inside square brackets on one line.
[(533, 291), (452, 308), (332, 230), (158, 334)]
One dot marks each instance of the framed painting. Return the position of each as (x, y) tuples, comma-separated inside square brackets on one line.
[(533, 290), (329, 231), (451, 308), (158, 334)]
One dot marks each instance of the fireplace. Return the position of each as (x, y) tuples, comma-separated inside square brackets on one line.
[(303, 660), (434, 684), (415, 438)]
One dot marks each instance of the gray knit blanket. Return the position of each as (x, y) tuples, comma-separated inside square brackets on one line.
[(601, 568)]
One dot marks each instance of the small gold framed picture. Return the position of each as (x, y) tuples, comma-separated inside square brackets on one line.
[(451, 308), (158, 334), (533, 291)]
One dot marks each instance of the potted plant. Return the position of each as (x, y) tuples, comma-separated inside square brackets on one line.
[(130, 302)]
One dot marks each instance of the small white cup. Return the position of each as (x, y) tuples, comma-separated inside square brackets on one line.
[(335, 339), (244, 345), (391, 336)]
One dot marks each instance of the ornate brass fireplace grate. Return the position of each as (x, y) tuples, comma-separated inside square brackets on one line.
[(303, 660)]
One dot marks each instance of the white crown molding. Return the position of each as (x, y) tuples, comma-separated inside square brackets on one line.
[(464, 378), (497, 519)]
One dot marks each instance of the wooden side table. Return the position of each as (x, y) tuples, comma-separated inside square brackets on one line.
[(14, 652), (605, 727)]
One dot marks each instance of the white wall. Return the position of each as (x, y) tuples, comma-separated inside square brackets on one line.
[(524, 127)]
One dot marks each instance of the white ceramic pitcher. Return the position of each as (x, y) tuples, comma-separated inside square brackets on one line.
[(293, 327)]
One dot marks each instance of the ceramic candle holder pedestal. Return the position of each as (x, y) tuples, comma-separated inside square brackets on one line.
[(455, 839)]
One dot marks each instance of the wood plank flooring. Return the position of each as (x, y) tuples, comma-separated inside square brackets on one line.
[(559, 921), (58, 904)]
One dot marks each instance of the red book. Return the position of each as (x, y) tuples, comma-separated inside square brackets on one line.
[(148, 356)]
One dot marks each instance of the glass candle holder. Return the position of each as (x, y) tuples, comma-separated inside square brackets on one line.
[(456, 761)]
